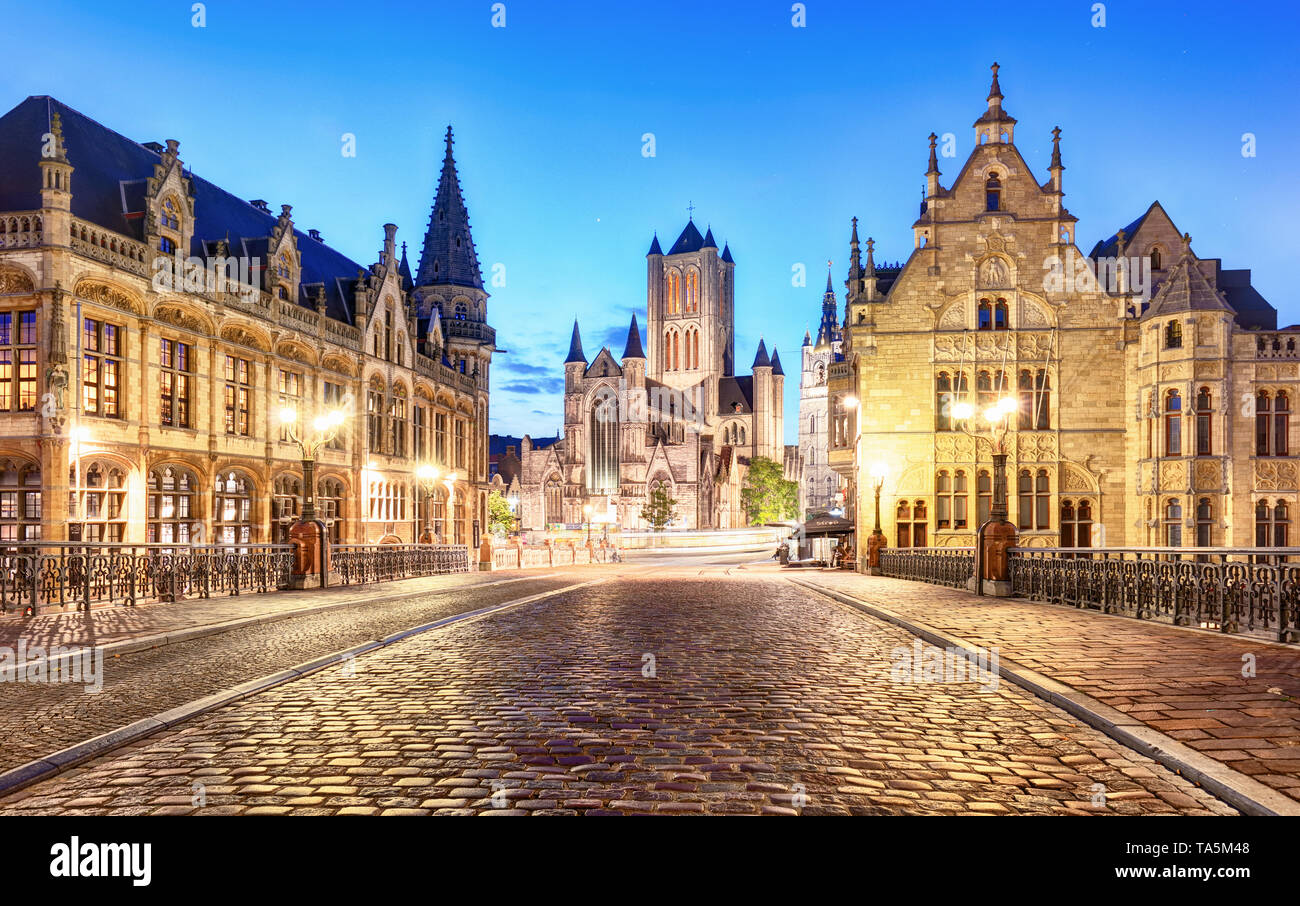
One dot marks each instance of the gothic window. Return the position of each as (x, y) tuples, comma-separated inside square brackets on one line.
[(170, 216), (742, 435), (20, 501), (1173, 424), (1204, 522), (1272, 524), (692, 292), (329, 506), (98, 501), (398, 413), (950, 502), (554, 499), (985, 321), (375, 418), (992, 193), (18, 348), (1034, 391), (166, 245), (695, 347), (232, 510), (461, 312), (286, 492), (175, 362), (1173, 523), (1033, 493), (1263, 417), (910, 523), (603, 461), (1076, 524), (943, 402), (1000, 315), (101, 370), (674, 293), (983, 496), (1155, 259), (170, 511), (988, 388), (1174, 335), (238, 394), (1204, 424), (821, 373), (290, 392), (1281, 424)]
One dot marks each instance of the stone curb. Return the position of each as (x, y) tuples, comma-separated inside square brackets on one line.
[(1239, 790), (49, 765), (171, 637)]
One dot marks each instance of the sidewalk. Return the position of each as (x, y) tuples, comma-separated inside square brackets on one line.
[(1185, 684), (118, 626)]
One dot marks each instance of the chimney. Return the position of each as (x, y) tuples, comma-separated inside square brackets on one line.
[(155, 147), (261, 205), (315, 234)]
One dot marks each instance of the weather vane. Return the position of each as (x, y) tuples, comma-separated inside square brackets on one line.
[(690, 210)]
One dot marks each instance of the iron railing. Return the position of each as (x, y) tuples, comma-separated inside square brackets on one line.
[(951, 566), (1252, 590), (82, 575), (361, 563)]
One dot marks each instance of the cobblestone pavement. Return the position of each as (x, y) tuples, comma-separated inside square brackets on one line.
[(668, 693), (37, 719), (1186, 684)]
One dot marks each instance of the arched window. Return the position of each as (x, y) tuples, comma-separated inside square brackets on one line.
[(1173, 424), (943, 402), (98, 506), (232, 510), (375, 417), (398, 413), (692, 292), (1000, 313), (553, 504), (985, 321), (1034, 391), (329, 506), (603, 458), (1204, 522), (1155, 259), (983, 496), (742, 436), (674, 294), (461, 311), (1272, 524), (286, 491), (1076, 524), (20, 501), (695, 348), (170, 512), (1174, 334), (1204, 416), (1033, 496), (821, 373), (950, 500), (910, 523), (992, 193), (1173, 523), (1281, 424)]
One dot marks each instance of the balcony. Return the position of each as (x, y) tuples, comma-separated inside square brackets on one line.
[(469, 330)]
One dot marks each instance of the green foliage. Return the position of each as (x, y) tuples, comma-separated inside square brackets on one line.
[(658, 511), (767, 495), (500, 517)]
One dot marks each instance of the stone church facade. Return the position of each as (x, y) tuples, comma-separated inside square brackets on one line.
[(140, 401), (1153, 390), (819, 484), (669, 413)]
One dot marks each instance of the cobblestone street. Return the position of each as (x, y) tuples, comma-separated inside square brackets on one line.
[(684, 691)]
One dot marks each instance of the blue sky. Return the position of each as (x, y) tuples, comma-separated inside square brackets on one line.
[(777, 134)]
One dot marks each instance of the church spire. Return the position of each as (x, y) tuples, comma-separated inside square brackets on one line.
[(854, 283), (575, 347), (828, 329), (996, 122), (448, 256)]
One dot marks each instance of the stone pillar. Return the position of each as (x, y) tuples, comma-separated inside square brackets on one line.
[(485, 554)]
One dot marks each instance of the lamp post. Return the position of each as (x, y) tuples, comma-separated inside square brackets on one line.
[(308, 534), (428, 477), (876, 543), (449, 480), (586, 511), (996, 536), (852, 403)]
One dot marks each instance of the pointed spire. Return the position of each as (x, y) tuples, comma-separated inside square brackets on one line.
[(633, 349), (689, 241), (933, 169), (575, 347), (828, 329), (404, 270), (708, 239), (760, 358), (726, 254), (807, 337), (776, 364), (871, 257), (448, 256), (995, 122), (829, 290), (56, 130), (1056, 149), (655, 248), (995, 90)]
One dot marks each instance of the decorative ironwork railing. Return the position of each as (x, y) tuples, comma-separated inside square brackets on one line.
[(82, 575), (358, 564), (1252, 590), (938, 565)]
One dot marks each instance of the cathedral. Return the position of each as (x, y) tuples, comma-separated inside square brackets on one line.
[(670, 413), (819, 486), (1148, 387)]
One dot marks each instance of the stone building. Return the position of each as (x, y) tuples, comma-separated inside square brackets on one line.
[(153, 326), (819, 485), (1153, 391), (676, 417)]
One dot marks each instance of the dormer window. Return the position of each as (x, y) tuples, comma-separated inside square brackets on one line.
[(1155, 259), (170, 216), (992, 193)]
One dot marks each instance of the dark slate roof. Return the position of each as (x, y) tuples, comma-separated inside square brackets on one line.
[(1253, 310), (689, 241), (732, 390), (1185, 289), (760, 358), (655, 248), (575, 347), (404, 271), (709, 242), (107, 186), (448, 256), (1109, 248), (776, 364), (633, 349), (726, 254)]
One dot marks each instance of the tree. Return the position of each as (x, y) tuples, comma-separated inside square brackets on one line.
[(658, 510), (501, 519), (767, 495)]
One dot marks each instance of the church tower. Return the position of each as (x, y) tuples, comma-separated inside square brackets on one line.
[(690, 314)]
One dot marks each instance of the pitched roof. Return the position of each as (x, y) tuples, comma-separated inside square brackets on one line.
[(655, 248), (1185, 289), (760, 358), (709, 243), (776, 364), (726, 254), (448, 256), (633, 349), (108, 185), (1109, 248), (733, 390), (575, 347), (689, 241)]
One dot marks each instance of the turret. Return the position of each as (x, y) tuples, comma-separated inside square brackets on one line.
[(996, 123), (56, 186)]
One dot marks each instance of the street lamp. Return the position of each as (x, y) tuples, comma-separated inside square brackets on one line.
[(586, 511), (324, 428), (997, 417), (428, 476)]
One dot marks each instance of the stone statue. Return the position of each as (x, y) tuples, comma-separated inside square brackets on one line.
[(56, 382)]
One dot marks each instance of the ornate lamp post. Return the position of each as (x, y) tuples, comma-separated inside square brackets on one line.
[(996, 536), (876, 543), (586, 511), (428, 476), (311, 554)]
